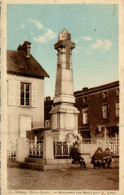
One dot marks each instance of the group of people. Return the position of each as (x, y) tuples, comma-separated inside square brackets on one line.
[(99, 159), (102, 158)]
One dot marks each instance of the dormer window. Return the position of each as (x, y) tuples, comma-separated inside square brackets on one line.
[(104, 94)]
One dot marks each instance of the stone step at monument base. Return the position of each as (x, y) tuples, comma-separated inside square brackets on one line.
[(42, 164), (115, 160), (115, 165), (50, 161), (47, 167), (62, 161)]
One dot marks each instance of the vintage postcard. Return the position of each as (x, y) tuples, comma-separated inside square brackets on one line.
[(62, 97)]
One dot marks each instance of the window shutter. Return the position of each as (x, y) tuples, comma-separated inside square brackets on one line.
[(117, 109), (17, 93), (11, 92), (34, 95), (85, 115), (105, 111), (85, 118)]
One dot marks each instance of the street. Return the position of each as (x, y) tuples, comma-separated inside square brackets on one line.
[(91, 179)]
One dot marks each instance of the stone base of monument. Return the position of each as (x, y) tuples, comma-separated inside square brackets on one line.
[(45, 165), (56, 164), (39, 164), (50, 161), (36, 164)]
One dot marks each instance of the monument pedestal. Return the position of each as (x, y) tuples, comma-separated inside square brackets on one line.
[(64, 117)]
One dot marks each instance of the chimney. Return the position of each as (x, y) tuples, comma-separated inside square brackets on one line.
[(48, 99), (85, 89), (20, 48), (26, 48)]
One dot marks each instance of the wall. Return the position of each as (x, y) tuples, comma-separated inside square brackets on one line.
[(37, 113)]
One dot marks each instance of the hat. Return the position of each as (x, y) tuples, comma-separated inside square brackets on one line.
[(76, 143), (99, 148)]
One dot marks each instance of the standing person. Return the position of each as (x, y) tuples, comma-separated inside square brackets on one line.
[(107, 156), (76, 156)]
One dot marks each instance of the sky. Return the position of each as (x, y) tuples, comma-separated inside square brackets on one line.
[(93, 28)]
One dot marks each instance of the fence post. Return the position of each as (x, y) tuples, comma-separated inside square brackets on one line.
[(48, 149), (22, 149)]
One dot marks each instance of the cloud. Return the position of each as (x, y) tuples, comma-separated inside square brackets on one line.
[(86, 38), (106, 45), (76, 41), (32, 33), (23, 26), (37, 24), (89, 52), (80, 47), (49, 35)]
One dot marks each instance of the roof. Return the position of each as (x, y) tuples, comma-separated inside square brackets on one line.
[(19, 64), (97, 89)]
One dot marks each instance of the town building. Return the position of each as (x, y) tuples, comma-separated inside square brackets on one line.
[(98, 111), (25, 87)]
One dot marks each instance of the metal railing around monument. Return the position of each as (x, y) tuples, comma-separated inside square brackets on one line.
[(11, 151), (35, 149), (61, 150)]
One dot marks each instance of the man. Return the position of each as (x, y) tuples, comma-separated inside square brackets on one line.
[(107, 156), (76, 156), (97, 158)]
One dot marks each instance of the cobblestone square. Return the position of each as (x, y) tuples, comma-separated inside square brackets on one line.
[(73, 179)]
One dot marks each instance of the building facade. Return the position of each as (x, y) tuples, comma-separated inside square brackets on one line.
[(98, 111), (25, 89)]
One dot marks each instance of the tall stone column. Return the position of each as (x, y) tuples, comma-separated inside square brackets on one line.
[(64, 113)]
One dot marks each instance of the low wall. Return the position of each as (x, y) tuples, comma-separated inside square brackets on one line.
[(88, 149)]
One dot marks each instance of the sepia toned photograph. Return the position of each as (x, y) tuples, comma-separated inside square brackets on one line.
[(62, 97)]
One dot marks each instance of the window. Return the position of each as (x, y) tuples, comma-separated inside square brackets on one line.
[(25, 94), (85, 115), (84, 99), (105, 111), (85, 136), (22, 93), (117, 109)]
